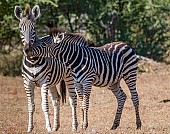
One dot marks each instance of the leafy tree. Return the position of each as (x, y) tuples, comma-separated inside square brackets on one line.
[(144, 24)]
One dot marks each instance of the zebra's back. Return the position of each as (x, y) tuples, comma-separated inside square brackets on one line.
[(112, 61)]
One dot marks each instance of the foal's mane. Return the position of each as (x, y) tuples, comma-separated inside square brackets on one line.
[(57, 30)]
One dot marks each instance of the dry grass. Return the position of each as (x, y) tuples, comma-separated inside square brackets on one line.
[(152, 88)]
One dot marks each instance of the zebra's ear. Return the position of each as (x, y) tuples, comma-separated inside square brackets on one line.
[(18, 12), (36, 11), (58, 38)]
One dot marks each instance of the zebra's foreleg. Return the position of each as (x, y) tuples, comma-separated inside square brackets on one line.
[(73, 104), (55, 97), (121, 98), (29, 88), (45, 107)]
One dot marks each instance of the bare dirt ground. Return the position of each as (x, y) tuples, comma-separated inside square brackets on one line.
[(153, 88)]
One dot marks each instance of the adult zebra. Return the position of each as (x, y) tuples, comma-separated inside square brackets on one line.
[(43, 72), (102, 66)]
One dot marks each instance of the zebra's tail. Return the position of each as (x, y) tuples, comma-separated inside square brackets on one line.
[(63, 91)]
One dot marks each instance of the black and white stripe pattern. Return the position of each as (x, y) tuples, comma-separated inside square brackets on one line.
[(103, 66), (45, 73)]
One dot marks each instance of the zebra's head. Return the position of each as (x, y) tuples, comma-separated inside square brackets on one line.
[(27, 25)]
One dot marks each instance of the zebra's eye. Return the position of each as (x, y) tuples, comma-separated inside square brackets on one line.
[(60, 36), (32, 41)]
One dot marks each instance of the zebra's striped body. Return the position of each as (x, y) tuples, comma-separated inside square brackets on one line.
[(104, 67), (45, 73)]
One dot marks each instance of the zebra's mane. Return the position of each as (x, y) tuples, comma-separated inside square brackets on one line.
[(57, 30), (27, 13), (27, 9), (80, 38)]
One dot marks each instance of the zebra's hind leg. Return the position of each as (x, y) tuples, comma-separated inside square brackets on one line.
[(86, 107), (79, 91), (29, 88), (130, 80), (87, 86), (121, 98), (45, 107), (84, 112), (81, 97), (55, 97)]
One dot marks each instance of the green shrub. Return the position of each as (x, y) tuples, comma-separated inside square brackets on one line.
[(10, 65)]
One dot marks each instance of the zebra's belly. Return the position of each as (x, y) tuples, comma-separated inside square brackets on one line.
[(102, 82)]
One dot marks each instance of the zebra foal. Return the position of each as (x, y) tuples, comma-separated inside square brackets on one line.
[(45, 73), (102, 66)]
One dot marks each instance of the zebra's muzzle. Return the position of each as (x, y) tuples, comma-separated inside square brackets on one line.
[(27, 50)]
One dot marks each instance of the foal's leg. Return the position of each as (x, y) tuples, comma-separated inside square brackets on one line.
[(55, 98), (29, 88), (45, 106), (83, 92), (87, 90), (121, 98), (79, 91), (73, 102), (130, 80)]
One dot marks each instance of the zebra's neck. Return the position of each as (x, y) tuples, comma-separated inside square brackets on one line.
[(45, 40), (72, 55), (33, 61)]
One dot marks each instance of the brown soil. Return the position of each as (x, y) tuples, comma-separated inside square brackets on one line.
[(154, 93)]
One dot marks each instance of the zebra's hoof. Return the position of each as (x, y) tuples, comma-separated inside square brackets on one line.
[(139, 124), (49, 129), (114, 126), (74, 129), (30, 129), (85, 126), (55, 128)]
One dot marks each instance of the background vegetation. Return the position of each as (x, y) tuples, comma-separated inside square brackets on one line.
[(144, 24)]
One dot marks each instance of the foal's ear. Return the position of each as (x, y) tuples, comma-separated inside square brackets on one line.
[(58, 38), (36, 11), (18, 12)]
